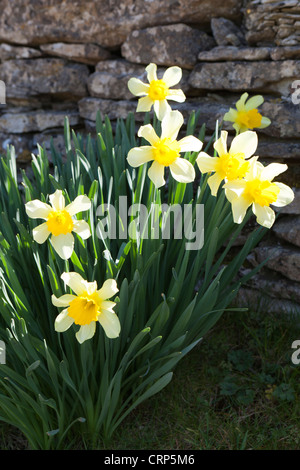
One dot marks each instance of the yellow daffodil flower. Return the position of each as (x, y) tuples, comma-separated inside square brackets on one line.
[(165, 151), (59, 221), (230, 164), (246, 115), (258, 190), (158, 91), (88, 306)]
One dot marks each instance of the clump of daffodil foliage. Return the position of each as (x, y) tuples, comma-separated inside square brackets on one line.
[(99, 303)]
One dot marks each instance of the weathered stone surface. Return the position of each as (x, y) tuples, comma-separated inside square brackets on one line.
[(226, 33), (88, 108), (288, 229), (273, 284), (18, 123), (106, 23), (21, 143), (262, 76), (283, 53), (260, 302), (276, 149), (85, 53), (176, 44), (285, 117), (25, 78), (280, 259), (110, 80), (8, 52), (272, 22), (224, 53)]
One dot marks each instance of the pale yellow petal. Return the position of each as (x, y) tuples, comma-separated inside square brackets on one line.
[(221, 144), (285, 196), (75, 282), (190, 144), (206, 163), (172, 76), (140, 155), (57, 200), (265, 216), (86, 332), (148, 133), (80, 204), (63, 245), (108, 289), (63, 301), (265, 122), (82, 228), (239, 207), (272, 170), (214, 182), (37, 209), (182, 171), (144, 104), (245, 143), (171, 125), (161, 109), (176, 95), (41, 233), (63, 321), (156, 174), (137, 87), (151, 70), (110, 323), (240, 104), (254, 102)]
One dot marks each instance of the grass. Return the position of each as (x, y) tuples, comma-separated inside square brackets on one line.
[(237, 390)]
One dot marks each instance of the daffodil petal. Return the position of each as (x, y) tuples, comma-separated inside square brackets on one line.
[(254, 102), (190, 143), (41, 233), (137, 87), (172, 76), (108, 289), (82, 228), (140, 155), (240, 104), (176, 95), (63, 301), (265, 216), (63, 245), (161, 109), (63, 321), (272, 170), (182, 171), (144, 104), (75, 282), (86, 332), (57, 200), (171, 124), (107, 305), (156, 174), (110, 323), (231, 115), (80, 204), (214, 182), (237, 186), (265, 122), (245, 143), (221, 144), (151, 70), (239, 207), (285, 196), (148, 133), (37, 209), (206, 163)]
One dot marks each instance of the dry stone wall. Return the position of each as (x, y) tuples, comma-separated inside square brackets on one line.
[(74, 58)]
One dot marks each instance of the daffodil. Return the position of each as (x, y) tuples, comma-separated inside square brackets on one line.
[(230, 164), (157, 91), (86, 307), (258, 190), (246, 115), (165, 151), (59, 221)]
